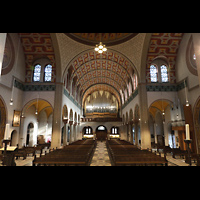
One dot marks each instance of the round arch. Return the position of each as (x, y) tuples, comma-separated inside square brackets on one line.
[(88, 60), (39, 112), (101, 132)]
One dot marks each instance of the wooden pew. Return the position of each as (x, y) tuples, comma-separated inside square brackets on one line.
[(178, 152), (124, 153), (78, 153)]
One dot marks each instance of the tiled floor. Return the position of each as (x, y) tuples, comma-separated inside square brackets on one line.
[(101, 157)]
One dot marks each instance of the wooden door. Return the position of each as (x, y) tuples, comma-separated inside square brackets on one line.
[(101, 135)]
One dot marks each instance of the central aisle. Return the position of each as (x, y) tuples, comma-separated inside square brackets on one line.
[(101, 157)]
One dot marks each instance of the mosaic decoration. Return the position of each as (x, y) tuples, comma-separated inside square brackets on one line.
[(164, 44), (37, 45)]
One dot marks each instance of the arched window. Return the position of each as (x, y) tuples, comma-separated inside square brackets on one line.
[(114, 130), (125, 94), (164, 73), (47, 73), (37, 72), (153, 73), (87, 130), (129, 88)]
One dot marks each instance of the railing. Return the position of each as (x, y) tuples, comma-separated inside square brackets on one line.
[(86, 119)]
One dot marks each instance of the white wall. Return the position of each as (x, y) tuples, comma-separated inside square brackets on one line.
[(6, 83)]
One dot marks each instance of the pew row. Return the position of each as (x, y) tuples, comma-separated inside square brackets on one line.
[(123, 153), (78, 153)]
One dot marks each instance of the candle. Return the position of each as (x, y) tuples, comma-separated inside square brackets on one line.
[(187, 129)]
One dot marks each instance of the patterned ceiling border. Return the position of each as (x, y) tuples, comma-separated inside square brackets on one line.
[(107, 38), (164, 44), (35, 46)]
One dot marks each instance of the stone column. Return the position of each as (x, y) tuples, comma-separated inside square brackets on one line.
[(75, 131), (65, 132), (136, 133), (144, 117), (57, 117), (71, 131), (21, 132), (131, 131), (127, 131)]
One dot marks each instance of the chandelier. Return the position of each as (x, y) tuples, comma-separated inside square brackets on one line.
[(100, 48)]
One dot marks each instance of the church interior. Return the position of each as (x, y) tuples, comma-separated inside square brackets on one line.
[(99, 99)]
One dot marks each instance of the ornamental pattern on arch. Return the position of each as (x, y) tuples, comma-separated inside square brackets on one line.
[(164, 44)]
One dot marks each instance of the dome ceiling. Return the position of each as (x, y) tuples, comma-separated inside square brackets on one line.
[(107, 38)]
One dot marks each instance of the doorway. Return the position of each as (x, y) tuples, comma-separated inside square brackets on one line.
[(101, 133), (29, 136)]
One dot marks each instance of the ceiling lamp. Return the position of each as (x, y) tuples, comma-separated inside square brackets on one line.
[(100, 48)]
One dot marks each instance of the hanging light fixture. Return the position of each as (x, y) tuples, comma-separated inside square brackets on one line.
[(100, 48)]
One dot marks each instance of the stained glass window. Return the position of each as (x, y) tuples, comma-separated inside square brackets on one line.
[(164, 73), (47, 73), (153, 73), (37, 71)]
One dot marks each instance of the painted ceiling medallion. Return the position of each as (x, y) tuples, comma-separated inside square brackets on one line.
[(106, 38)]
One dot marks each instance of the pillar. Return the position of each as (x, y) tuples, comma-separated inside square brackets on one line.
[(75, 131), (57, 117), (131, 131), (166, 135), (65, 132), (2, 47), (127, 131), (71, 131), (136, 134), (144, 117)]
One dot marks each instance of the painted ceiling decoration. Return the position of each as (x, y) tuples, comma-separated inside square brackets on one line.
[(166, 44), (37, 45), (107, 38), (109, 68)]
